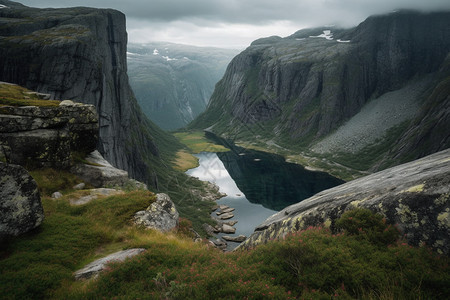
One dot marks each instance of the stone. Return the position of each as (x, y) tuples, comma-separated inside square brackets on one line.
[(66, 103), (236, 239), (228, 229), (210, 230), (56, 195), (227, 210), (20, 203), (160, 215), (231, 223), (226, 216), (222, 207), (100, 173), (95, 194), (79, 186), (93, 269), (415, 196), (219, 243), (47, 136)]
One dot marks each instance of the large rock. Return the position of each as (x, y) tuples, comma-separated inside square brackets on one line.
[(100, 173), (161, 215), (47, 136), (20, 202), (94, 268), (416, 196)]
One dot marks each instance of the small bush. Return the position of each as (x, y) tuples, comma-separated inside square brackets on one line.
[(368, 225)]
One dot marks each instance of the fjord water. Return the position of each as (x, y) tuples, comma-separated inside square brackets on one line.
[(258, 184)]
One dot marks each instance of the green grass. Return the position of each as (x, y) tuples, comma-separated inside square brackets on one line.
[(14, 95), (311, 264), (197, 142)]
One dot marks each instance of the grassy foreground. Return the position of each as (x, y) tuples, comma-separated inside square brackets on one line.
[(364, 260), (15, 95)]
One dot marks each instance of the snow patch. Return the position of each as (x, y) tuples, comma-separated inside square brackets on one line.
[(168, 58), (342, 41), (3, 6), (300, 39), (326, 34), (155, 52)]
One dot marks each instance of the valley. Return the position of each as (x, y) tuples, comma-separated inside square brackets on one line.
[(322, 158)]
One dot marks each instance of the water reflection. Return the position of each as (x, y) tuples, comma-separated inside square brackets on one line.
[(268, 180)]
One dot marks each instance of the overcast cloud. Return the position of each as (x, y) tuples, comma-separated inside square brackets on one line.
[(236, 23)]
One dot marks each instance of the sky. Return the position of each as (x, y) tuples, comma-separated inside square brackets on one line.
[(236, 23)]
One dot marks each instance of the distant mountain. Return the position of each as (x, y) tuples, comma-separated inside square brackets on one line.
[(367, 97), (172, 82)]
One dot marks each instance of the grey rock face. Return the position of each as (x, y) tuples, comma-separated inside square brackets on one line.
[(160, 215), (416, 196), (80, 54), (93, 269), (20, 202), (299, 89), (47, 136)]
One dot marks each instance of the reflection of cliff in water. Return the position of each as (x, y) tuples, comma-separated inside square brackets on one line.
[(268, 180)]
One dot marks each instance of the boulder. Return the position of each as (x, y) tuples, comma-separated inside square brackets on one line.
[(236, 239), (160, 215), (95, 267), (219, 243), (415, 196), (210, 230), (100, 173), (228, 229), (226, 216), (20, 203), (56, 195)]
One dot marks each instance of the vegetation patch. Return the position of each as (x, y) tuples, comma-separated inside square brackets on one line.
[(15, 95), (197, 142), (185, 161)]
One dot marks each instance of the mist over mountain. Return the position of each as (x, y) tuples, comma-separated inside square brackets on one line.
[(173, 82)]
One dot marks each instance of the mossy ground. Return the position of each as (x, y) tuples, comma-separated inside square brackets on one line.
[(14, 95)]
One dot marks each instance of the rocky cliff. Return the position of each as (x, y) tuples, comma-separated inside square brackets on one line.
[(298, 91), (80, 54), (415, 196)]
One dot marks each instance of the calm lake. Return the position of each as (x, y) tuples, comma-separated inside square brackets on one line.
[(258, 184)]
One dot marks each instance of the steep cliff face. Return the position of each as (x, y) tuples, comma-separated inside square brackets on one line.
[(297, 90), (80, 54), (173, 82)]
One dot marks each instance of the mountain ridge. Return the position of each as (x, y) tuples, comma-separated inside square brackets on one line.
[(297, 90)]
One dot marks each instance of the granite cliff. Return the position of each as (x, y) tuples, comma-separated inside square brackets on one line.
[(379, 91), (80, 54)]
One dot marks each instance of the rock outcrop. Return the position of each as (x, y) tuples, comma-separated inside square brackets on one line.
[(93, 269), (80, 54), (415, 196), (47, 136), (295, 91), (20, 202), (100, 173), (160, 215)]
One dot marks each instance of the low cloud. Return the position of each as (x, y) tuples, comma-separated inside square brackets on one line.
[(238, 22)]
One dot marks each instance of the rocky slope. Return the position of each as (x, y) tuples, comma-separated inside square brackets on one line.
[(415, 196), (173, 82), (80, 54), (298, 90)]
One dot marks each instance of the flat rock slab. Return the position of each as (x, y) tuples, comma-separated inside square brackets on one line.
[(224, 211), (226, 216), (236, 239), (97, 266), (95, 194), (231, 223)]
